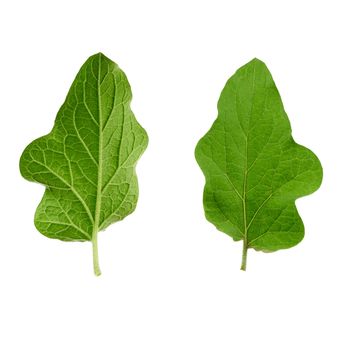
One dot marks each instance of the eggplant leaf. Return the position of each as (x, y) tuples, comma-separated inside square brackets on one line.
[(87, 162), (253, 168)]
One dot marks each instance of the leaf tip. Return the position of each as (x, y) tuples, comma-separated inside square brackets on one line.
[(257, 61), (100, 56)]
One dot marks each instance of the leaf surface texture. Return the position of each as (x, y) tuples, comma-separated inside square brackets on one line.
[(87, 162), (254, 170)]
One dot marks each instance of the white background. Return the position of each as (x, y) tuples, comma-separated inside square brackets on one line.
[(170, 279)]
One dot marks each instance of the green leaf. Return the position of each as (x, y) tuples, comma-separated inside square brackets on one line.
[(253, 168), (87, 162)]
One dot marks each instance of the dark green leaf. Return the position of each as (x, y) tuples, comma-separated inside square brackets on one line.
[(254, 170)]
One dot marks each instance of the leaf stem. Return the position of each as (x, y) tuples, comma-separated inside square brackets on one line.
[(96, 267), (244, 255)]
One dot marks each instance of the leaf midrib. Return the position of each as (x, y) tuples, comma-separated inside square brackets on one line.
[(244, 194), (100, 156), (243, 197)]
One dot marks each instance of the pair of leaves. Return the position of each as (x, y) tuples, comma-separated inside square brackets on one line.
[(87, 162), (254, 170)]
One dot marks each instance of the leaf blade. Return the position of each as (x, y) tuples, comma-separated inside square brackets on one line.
[(254, 170), (94, 131)]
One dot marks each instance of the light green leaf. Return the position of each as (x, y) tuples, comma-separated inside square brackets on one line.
[(87, 162), (254, 170)]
